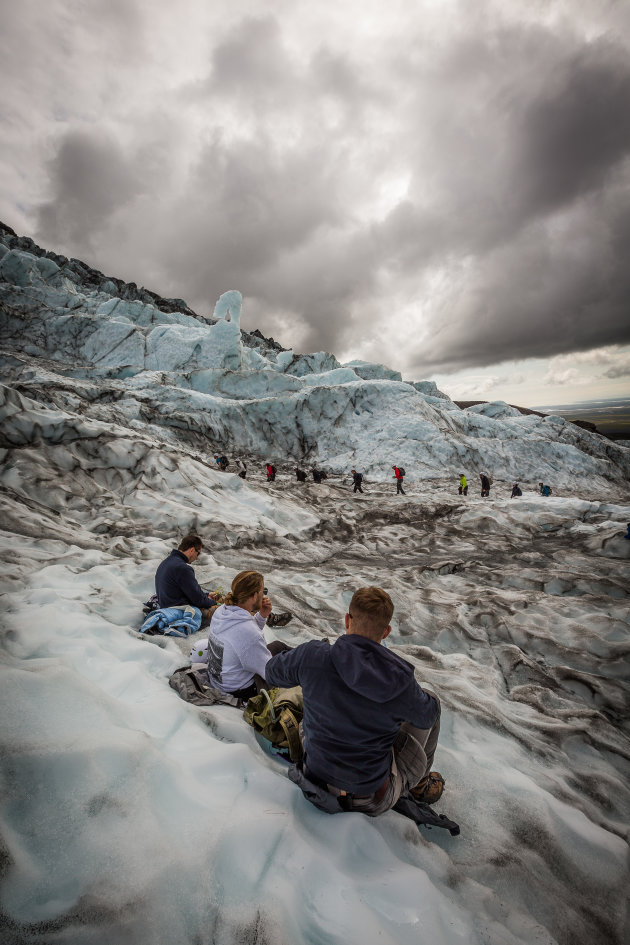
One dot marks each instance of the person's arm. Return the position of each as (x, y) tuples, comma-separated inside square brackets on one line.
[(191, 589), (423, 706), (283, 669)]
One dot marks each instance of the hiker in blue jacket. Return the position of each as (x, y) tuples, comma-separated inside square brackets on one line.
[(370, 731), (175, 581)]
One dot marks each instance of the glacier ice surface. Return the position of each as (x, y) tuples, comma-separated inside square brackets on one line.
[(127, 815)]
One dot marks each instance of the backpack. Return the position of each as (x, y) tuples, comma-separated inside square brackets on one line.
[(489, 478), (149, 606), (401, 470), (224, 462), (276, 714), (546, 490), (273, 470)]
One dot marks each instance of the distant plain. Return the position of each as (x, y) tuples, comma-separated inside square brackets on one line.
[(611, 417)]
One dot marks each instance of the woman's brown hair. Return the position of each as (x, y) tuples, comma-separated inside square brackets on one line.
[(244, 585)]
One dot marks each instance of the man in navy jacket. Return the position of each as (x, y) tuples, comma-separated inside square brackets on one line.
[(370, 731), (175, 581)]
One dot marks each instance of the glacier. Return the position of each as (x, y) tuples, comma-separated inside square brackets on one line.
[(129, 816), (204, 376)]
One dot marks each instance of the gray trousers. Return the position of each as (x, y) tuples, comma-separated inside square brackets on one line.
[(412, 758)]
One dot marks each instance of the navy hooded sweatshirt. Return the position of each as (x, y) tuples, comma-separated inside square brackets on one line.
[(175, 583), (357, 694)]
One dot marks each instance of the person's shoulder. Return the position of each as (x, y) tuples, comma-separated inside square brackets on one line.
[(177, 555), (322, 645), (173, 557), (314, 650)]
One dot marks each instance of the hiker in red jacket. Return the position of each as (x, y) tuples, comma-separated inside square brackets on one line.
[(399, 475)]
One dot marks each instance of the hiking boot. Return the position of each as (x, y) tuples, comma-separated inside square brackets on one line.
[(430, 789), (278, 620)]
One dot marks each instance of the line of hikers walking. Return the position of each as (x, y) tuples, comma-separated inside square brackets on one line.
[(319, 475), (270, 470), (486, 482)]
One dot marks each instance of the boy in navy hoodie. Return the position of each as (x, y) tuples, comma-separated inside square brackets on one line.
[(369, 730)]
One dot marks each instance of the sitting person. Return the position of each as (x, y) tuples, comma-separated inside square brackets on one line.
[(516, 490), (237, 652), (369, 730), (175, 581)]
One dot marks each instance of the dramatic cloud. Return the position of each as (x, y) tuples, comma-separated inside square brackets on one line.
[(440, 188), (611, 362), (91, 179)]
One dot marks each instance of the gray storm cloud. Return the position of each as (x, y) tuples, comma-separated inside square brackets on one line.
[(91, 179), (461, 182)]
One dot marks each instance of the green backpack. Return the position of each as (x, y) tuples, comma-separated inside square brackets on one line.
[(276, 714)]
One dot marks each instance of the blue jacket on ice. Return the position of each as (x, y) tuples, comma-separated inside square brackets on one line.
[(357, 694), (176, 584), (173, 621)]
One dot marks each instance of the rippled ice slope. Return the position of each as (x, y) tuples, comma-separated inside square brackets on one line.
[(128, 816)]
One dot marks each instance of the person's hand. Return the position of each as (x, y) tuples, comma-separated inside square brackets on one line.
[(213, 596), (265, 607)]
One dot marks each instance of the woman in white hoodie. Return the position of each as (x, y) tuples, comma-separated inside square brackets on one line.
[(237, 651)]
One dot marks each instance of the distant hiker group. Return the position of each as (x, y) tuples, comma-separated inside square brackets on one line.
[(486, 482), (358, 478)]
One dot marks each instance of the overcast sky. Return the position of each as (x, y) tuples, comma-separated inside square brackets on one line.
[(442, 186)]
